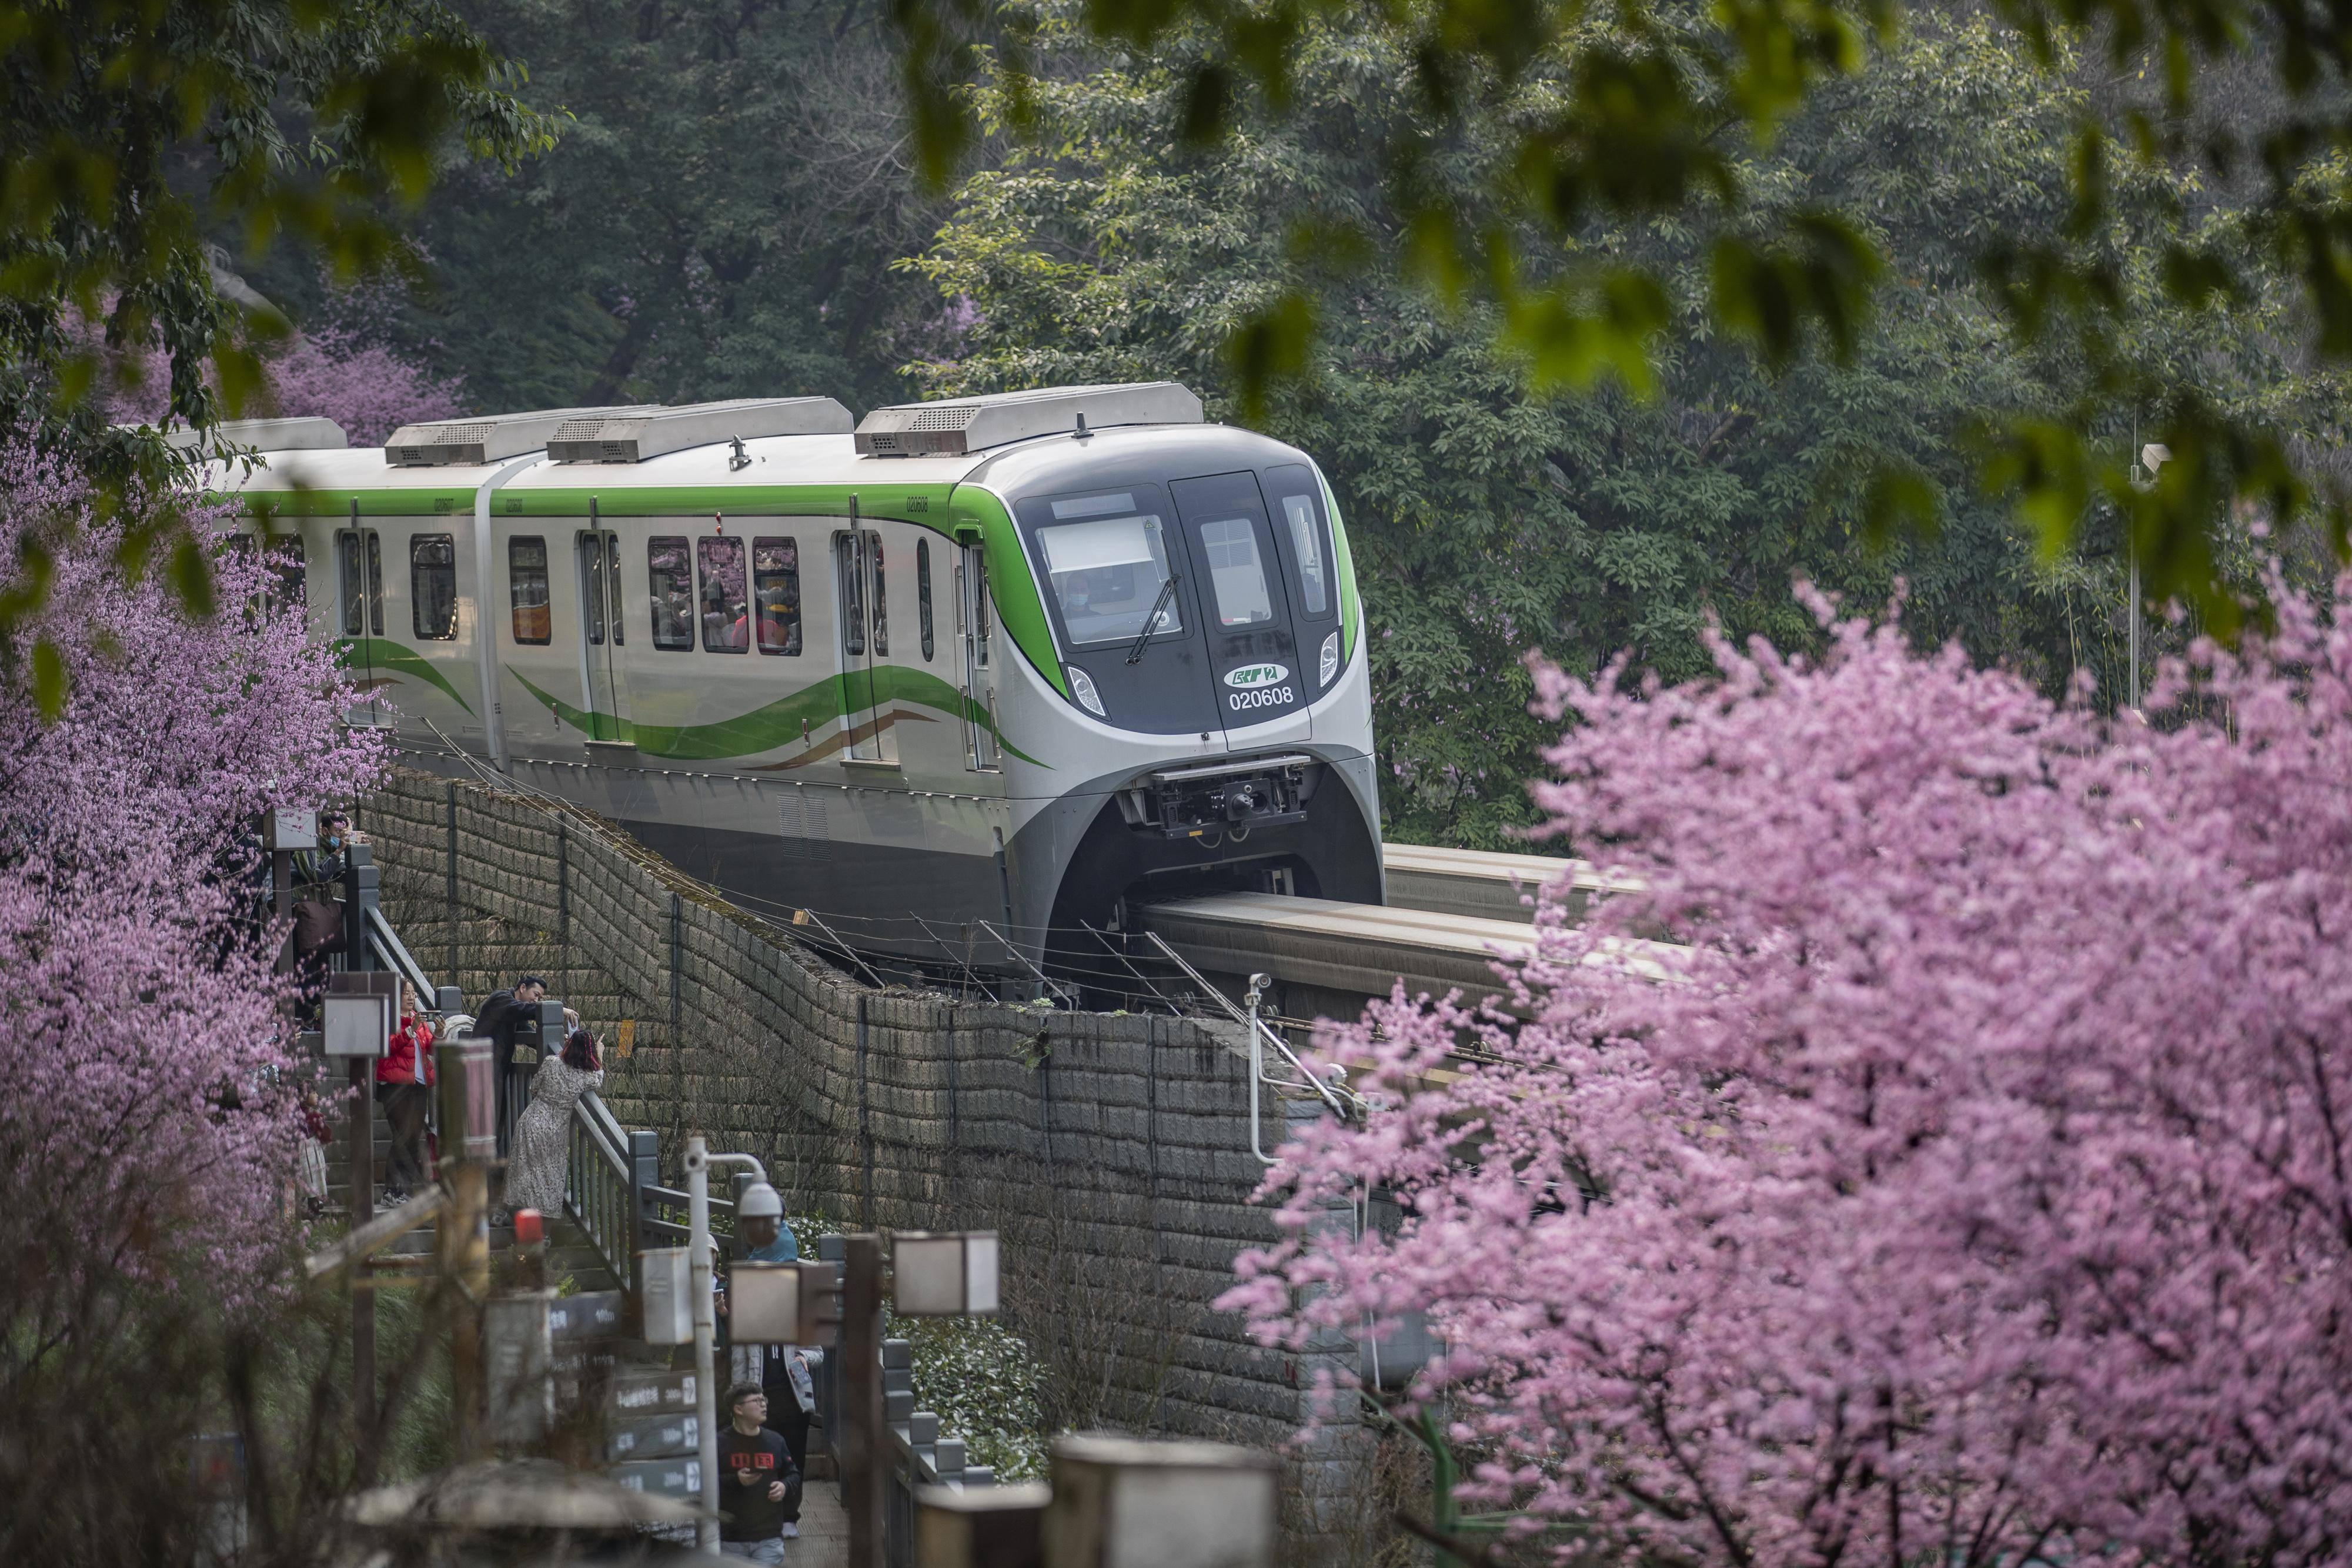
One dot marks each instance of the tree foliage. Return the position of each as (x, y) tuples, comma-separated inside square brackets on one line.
[(131, 130), (719, 220), (1488, 519), (1963, 1178), (1653, 115)]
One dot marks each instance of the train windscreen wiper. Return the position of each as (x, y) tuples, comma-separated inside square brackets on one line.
[(1151, 621)]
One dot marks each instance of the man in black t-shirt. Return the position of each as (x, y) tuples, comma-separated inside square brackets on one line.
[(757, 1486)]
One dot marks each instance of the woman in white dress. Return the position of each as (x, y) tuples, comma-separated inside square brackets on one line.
[(542, 1138)]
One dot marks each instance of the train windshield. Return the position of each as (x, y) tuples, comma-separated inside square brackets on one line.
[(1109, 563)]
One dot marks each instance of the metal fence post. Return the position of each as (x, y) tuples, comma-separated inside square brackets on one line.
[(453, 887), (864, 1118), (645, 1174)]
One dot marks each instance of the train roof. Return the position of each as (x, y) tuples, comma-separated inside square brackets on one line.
[(1042, 463)]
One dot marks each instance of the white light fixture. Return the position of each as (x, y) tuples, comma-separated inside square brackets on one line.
[(1123, 1502), (1331, 660), (1082, 684), (780, 1304), (943, 1275)]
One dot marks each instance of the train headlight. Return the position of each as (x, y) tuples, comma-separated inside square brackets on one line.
[(1083, 686), (1330, 659)]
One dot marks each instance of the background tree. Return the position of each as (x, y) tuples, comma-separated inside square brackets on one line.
[(1487, 519), (1928, 1206), (1644, 114), (719, 221), (129, 131)]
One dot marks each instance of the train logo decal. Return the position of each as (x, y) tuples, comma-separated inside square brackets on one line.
[(1250, 675)]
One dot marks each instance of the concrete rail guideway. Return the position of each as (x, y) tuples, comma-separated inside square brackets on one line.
[(1452, 915)]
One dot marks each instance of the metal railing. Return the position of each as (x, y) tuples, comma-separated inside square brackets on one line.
[(608, 1173)]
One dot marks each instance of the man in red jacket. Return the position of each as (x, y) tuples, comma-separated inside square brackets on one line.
[(405, 1083)]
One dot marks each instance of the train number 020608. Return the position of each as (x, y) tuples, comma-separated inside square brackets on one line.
[(1265, 696)]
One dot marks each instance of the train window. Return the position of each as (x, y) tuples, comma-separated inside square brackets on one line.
[(776, 584), (850, 594), (351, 584), (726, 606), (923, 594), (592, 588), (527, 589), (881, 603), (669, 578), (1306, 549), (1107, 573), (613, 582), (433, 586), (1236, 572), (375, 581)]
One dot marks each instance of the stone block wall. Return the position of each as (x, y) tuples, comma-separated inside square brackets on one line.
[(1111, 1151)]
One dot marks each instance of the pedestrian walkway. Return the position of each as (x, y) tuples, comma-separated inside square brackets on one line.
[(824, 1530)]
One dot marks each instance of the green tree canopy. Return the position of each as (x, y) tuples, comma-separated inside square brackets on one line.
[(1583, 120), (719, 220), (1487, 520)]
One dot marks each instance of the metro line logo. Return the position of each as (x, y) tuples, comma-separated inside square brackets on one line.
[(1250, 675)]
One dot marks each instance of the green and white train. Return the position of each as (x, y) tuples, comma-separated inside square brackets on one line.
[(964, 683)]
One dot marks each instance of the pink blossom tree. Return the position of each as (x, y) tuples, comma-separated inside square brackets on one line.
[(1978, 1188), (139, 1021), (340, 369)]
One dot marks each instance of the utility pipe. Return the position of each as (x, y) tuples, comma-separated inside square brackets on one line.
[(706, 1332)]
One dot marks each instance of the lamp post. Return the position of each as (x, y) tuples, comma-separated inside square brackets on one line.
[(701, 1285), (934, 1275)]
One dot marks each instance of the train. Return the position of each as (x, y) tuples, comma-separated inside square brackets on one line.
[(962, 683)]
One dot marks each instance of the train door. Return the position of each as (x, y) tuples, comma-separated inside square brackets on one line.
[(981, 754), (359, 607), (603, 632), (1253, 657), (865, 621)]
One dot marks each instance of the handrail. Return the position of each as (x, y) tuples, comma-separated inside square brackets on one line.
[(396, 957), (1256, 1027), (599, 1192)]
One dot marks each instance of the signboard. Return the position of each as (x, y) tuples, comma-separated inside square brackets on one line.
[(625, 1038), (592, 1314), (661, 1437), (680, 1477), (358, 1026), (668, 1295), (652, 1393), (283, 829)]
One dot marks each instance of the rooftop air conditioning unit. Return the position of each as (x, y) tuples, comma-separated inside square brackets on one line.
[(266, 436), (631, 437), (956, 426), (461, 443)]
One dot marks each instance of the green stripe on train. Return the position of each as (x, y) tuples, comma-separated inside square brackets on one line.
[(376, 654), (780, 723)]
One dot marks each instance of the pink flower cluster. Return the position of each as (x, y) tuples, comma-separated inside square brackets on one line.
[(1978, 1186), (140, 1034)]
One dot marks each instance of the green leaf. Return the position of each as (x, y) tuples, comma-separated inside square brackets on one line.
[(50, 684), (190, 576)]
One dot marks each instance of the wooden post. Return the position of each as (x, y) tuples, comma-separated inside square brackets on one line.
[(467, 1139), (861, 1383), (363, 1210), (362, 1129)]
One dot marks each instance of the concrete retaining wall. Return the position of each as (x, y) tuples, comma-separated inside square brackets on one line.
[(1111, 1151)]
